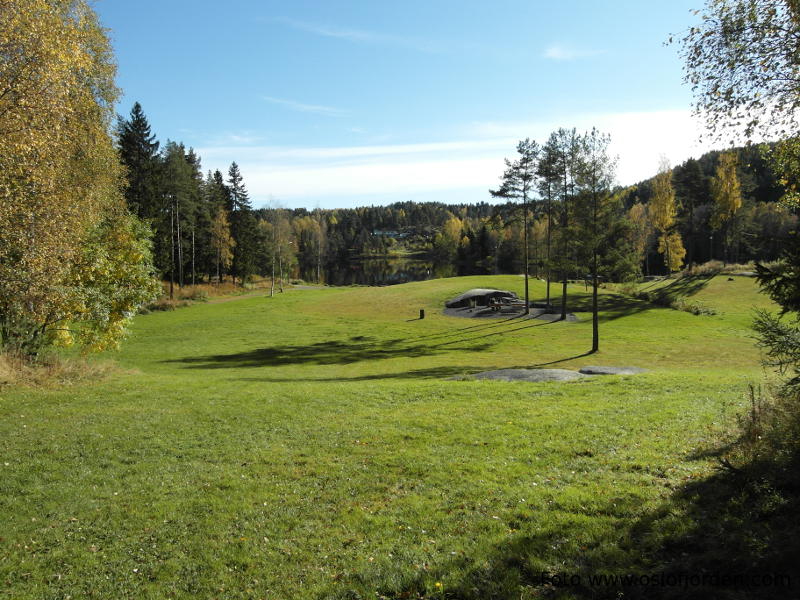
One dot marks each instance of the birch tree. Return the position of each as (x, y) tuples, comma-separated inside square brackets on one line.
[(60, 182), (726, 191), (222, 241), (662, 211)]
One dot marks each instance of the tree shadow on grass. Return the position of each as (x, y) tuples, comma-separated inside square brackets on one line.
[(681, 288), (729, 536), (562, 360), (455, 371), (610, 306), (432, 373), (355, 349), (615, 306), (334, 352), (480, 327)]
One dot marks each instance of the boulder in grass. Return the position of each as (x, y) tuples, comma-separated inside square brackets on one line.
[(611, 370), (534, 375)]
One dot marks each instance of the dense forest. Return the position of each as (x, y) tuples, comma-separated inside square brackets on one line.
[(759, 226), (206, 229)]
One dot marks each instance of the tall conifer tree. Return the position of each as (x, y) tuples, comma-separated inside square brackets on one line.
[(138, 150), (243, 225), (519, 182)]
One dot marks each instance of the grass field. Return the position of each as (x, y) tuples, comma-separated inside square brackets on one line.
[(313, 445)]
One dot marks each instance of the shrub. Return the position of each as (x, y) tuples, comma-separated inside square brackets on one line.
[(695, 307), (165, 304), (628, 288), (712, 267), (195, 293)]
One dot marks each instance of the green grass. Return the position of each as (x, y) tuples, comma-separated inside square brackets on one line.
[(312, 445)]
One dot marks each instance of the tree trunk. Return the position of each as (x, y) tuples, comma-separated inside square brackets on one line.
[(172, 252), (272, 285), (280, 271), (669, 262), (711, 247), (564, 224), (319, 252), (525, 237), (595, 324), (690, 248), (549, 211), (193, 283), (595, 320), (178, 239), (564, 275)]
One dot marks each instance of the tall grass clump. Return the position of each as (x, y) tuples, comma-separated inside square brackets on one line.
[(189, 294), (50, 370)]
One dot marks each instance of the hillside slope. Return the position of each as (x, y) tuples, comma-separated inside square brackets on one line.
[(311, 445)]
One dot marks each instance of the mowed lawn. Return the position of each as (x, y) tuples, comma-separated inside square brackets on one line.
[(314, 445)]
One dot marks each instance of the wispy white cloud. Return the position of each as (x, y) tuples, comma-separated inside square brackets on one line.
[(360, 36), (238, 139), (638, 138), (459, 170), (283, 155), (318, 109), (563, 52), (295, 174)]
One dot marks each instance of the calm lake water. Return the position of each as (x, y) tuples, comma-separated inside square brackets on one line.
[(382, 271)]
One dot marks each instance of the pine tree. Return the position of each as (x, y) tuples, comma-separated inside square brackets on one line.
[(238, 196), (243, 225), (180, 195), (199, 217), (595, 175), (519, 182), (563, 150), (548, 183), (138, 150)]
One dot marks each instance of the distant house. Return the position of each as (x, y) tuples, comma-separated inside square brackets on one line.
[(478, 297), (389, 233)]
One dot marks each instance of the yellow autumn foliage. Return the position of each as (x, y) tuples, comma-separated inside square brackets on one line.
[(662, 211), (60, 175), (726, 190), (221, 239)]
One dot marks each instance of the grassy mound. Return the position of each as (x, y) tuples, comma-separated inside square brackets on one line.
[(311, 445)]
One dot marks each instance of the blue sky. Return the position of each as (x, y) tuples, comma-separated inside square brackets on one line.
[(338, 104)]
